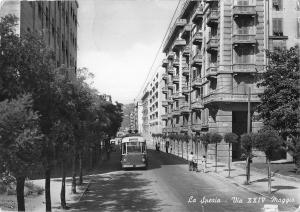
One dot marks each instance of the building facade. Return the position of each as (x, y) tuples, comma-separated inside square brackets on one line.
[(214, 51), (56, 21)]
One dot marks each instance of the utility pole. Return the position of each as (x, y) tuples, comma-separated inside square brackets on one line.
[(249, 111)]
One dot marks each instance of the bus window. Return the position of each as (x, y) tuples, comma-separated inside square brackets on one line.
[(124, 148), (144, 148), (134, 147)]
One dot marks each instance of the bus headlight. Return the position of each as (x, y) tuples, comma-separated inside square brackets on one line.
[(124, 159), (143, 159)]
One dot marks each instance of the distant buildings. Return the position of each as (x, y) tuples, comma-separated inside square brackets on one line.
[(106, 97), (55, 20)]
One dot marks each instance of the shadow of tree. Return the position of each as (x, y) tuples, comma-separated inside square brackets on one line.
[(277, 188), (261, 180), (123, 192)]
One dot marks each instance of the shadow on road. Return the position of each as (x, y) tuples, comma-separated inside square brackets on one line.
[(121, 192)]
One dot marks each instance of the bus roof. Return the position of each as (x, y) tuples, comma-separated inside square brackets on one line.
[(133, 139)]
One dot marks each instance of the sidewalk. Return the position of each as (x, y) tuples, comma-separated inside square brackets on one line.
[(284, 188)]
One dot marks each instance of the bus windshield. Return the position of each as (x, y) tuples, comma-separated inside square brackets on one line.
[(134, 147)]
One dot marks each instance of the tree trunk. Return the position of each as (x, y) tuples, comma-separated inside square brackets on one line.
[(205, 156), (80, 169), (20, 193), (187, 150), (181, 149), (216, 157), (74, 173), (47, 188), (229, 159), (63, 186), (248, 170), (269, 176)]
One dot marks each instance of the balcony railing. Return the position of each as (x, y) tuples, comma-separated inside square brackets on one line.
[(211, 71), (165, 63), (242, 10), (229, 97), (185, 108), (197, 105), (185, 69), (243, 39), (197, 83), (197, 38), (212, 44), (176, 62), (176, 79), (164, 90), (164, 76), (164, 117), (164, 103), (196, 127), (176, 112), (175, 95), (198, 15), (212, 17), (170, 85), (185, 89), (243, 68), (178, 43), (186, 50), (186, 30), (184, 128), (197, 60), (170, 70), (171, 55)]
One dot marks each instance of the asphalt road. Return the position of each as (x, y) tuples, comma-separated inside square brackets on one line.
[(166, 185)]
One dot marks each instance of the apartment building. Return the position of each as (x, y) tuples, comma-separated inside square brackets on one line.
[(213, 51), (55, 20), (145, 112)]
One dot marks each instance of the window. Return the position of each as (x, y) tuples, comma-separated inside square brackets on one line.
[(277, 27), (244, 55), (277, 5), (242, 2), (298, 5), (298, 27)]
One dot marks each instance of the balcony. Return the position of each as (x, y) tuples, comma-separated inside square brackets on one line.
[(211, 71), (171, 55), (185, 89), (198, 15), (178, 44), (238, 39), (176, 112), (165, 130), (170, 85), (164, 90), (165, 63), (164, 76), (164, 117), (186, 31), (184, 128), (176, 129), (169, 100), (176, 62), (186, 50), (197, 60), (197, 83), (175, 96), (243, 10), (185, 108), (185, 69), (197, 38), (170, 115), (165, 103), (176, 79), (210, 1), (243, 68), (197, 105), (170, 70), (212, 44), (229, 97), (212, 17), (196, 127)]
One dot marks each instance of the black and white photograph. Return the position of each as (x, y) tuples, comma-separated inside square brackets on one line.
[(150, 105)]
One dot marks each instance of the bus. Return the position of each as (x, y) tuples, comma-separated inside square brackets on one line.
[(134, 152)]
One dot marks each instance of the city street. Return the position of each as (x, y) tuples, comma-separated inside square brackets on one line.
[(167, 185)]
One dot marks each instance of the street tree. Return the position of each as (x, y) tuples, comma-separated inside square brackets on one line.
[(247, 143), (21, 140), (230, 138), (215, 138), (205, 139), (267, 141), (280, 105)]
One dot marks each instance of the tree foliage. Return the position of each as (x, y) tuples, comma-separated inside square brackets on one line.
[(280, 106)]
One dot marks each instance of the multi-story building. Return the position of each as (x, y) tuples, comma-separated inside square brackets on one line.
[(106, 98), (56, 21), (213, 51), (139, 116), (145, 112)]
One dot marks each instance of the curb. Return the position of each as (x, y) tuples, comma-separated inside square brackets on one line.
[(85, 190)]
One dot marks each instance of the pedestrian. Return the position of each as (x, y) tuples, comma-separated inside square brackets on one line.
[(203, 164), (167, 146), (191, 161)]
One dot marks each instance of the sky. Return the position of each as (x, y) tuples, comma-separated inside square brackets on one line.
[(118, 41)]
